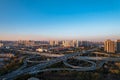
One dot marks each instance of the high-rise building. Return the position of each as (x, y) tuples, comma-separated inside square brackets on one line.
[(53, 43), (118, 45), (75, 43), (109, 46), (66, 43), (70, 43), (1, 44), (26, 42)]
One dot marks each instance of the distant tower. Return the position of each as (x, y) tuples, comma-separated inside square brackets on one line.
[(109, 46)]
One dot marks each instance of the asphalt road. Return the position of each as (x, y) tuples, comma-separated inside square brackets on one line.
[(38, 68)]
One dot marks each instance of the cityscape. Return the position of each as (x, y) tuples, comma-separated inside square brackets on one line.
[(29, 58), (59, 40)]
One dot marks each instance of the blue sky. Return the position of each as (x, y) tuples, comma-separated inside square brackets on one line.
[(59, 19)]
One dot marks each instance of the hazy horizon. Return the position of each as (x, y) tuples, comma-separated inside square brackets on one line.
[(40, 38), (95, 20)]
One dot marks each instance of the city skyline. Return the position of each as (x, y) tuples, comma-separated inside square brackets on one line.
[(96, 20)]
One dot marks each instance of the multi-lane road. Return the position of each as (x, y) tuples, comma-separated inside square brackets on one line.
[(12, 75), (94, 66), (98, 58), (41, 66)]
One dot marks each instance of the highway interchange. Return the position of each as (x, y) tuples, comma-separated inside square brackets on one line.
[(40, 67)]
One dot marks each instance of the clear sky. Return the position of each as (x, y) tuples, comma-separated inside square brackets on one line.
[(59, 19)]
